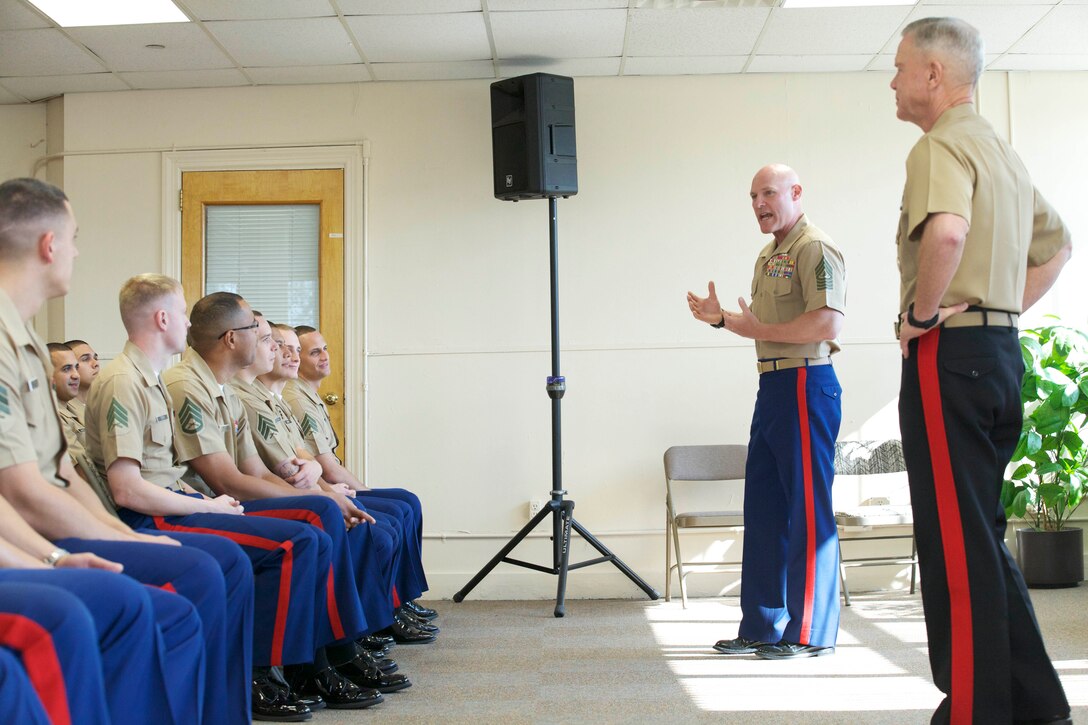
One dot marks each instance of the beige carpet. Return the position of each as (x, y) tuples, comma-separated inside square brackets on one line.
[(612, 661)]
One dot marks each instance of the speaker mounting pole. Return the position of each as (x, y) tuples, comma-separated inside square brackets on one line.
[(559, 508)]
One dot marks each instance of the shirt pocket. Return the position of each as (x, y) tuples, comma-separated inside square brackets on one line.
[(161, 432)]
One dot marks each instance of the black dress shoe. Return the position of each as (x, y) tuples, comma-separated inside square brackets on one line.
[(384, 664), (376, 642), (406, 634), (272, 700), (1055, 720), (338, 692), (791, 651), (738, 646), (420, 611), (365, 674), (418, 622)]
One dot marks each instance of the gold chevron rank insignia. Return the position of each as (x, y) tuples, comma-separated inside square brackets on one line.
[(116, 416), (190, 418), (265, 426)]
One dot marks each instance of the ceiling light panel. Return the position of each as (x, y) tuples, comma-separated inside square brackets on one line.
[(84, 13)]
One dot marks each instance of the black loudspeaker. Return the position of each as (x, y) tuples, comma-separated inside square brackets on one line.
[(532, 137)]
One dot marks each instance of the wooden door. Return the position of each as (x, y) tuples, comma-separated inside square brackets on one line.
[(321, 187)]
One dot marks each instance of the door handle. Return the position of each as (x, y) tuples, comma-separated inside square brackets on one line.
[(332, 398)]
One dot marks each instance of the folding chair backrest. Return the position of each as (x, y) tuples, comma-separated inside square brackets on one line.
[(706, 463)]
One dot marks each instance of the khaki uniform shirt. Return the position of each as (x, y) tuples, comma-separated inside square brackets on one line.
[(30, 430), (269, 430), (78, 408), (74, 432), (294, 429), (130, 417), (209, 416), (313, 417), (805, 272), (962, 167)]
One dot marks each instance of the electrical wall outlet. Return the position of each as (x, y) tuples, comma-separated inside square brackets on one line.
[(535, 504)]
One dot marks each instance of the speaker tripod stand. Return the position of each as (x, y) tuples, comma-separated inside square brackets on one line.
[(560, 509)]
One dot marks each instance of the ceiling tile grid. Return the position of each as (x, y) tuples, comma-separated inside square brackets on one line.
[(246, 42), (418, 38)]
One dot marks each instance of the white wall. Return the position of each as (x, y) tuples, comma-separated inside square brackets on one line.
[(457, 312)]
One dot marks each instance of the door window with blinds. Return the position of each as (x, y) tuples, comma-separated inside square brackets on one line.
[(268, 254)]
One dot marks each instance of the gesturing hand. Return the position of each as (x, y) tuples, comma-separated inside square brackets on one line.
[(706, 308)]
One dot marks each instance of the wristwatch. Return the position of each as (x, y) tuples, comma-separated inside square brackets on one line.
[(54, 556), (921, 324)]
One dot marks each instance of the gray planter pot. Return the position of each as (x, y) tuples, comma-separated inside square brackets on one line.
[(1051, 558)]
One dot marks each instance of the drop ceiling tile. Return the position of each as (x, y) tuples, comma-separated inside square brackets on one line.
[(1015, 62), (1062, 32), (884, 61), (458, 70), (421, 38), (566, 67), (123, 47), (570, 34), (831, 31), (694, 31), (808, 63), (996, 2), (43, 53), (506, 5), (1000, 26), (683, 66), (304, 41), (38, 88), (7, 98), (186, 78), (302, 75), (16, 16), (399, 7), (258, 9)]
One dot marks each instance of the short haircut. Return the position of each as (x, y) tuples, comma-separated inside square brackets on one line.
[(139, 293), (301, 330), (283, 326), (953, 38), (76, 343), (212, 315), (58, 347), (27, 209)]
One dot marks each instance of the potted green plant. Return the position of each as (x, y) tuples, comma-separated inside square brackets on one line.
[(1048, 476)]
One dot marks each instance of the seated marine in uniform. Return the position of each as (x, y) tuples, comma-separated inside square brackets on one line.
[(301, 395), (66, 385)]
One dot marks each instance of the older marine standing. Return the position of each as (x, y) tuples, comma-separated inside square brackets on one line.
[(977, 245), (790, 577)]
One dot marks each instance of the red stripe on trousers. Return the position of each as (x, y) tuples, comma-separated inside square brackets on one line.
[(810, 507), (35, 646), (283, 601), (309, 517), (948, 515)]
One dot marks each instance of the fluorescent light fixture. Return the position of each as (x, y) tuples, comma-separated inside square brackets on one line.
[(82, 13), (790, 4)]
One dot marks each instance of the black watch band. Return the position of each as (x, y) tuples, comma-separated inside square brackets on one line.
[(922, 324), (720, 324)]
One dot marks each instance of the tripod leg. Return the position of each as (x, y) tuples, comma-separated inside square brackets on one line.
[(566, 516), (548, 508), (650, 591)]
